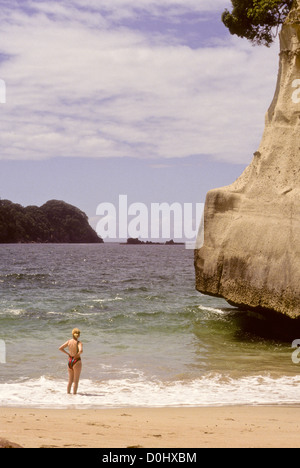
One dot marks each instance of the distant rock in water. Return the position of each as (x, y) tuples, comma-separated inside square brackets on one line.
[(54, 222), (136, 241), (251, 250)]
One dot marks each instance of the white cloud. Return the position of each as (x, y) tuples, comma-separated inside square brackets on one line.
[(74, 89), (154, 5)]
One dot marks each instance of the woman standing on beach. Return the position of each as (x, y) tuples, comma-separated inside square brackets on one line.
[(74, 363)]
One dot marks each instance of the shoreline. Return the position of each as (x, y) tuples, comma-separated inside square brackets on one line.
[(180, 427)]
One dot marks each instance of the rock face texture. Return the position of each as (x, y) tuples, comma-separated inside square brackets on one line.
[(251, 250)]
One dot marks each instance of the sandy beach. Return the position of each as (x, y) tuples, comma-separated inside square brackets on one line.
[(223, 427)]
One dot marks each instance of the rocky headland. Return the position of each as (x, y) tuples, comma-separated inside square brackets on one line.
[(53, 222), (251, 250)]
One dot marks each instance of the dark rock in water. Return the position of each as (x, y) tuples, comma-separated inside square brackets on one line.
[(268, 325), (54, 222), (251, 250)]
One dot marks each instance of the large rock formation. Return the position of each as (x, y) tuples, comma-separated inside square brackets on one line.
[(251, 250)]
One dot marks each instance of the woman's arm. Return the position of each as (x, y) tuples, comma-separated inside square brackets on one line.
[(63, 347), (80, 350)]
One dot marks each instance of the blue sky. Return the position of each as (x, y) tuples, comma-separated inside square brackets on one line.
[(149, 98)]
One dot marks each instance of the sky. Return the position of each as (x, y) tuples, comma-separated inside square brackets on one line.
[(149, 98)]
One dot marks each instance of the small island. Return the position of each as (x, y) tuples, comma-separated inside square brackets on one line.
[(136, 241), (53, 222)]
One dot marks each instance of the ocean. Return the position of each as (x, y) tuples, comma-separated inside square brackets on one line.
[(149, 338)]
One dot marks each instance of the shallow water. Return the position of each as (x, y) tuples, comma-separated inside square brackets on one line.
[(150, 339)]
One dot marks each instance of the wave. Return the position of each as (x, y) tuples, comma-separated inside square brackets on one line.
[(214, 310), (112, 299), (25, 276), (12, 312), (211, 390)]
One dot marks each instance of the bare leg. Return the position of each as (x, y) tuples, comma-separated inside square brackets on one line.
[(71, 380), (77, 371)]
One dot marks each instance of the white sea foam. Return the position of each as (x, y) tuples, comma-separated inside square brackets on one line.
[(211, 390), (108, 299), (12, 312), (212, 309)]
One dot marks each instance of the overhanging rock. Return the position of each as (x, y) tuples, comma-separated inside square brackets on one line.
[(251, 250)]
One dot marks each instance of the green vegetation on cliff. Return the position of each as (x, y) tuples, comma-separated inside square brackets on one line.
[(257, 20), (54, 222)]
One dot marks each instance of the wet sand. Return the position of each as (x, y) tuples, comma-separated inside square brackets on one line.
[(276, 426)]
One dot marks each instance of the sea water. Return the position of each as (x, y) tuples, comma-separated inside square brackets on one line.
[(149, 338)]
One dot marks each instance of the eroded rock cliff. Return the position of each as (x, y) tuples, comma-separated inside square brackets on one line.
[(251, 251)]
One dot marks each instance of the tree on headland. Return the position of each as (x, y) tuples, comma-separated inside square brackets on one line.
[(257, 20), (55, 222)]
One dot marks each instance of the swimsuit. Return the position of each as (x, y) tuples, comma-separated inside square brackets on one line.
[(72, 361)]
